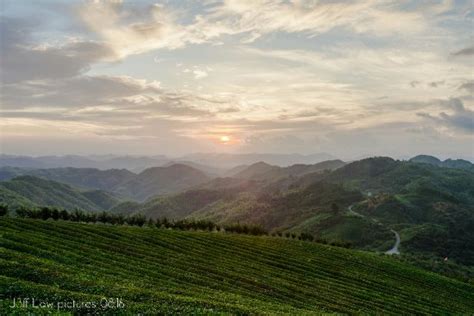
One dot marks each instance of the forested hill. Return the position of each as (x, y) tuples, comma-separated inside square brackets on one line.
[(31, 191)]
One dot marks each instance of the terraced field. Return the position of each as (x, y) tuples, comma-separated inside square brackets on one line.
[(158, 271)]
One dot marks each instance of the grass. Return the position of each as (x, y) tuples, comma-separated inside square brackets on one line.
[(159, 271)]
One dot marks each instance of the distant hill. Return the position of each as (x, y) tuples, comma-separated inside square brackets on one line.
[(150, 182), (170, 272), (33, 191), (234, 170), (448, 163), (89, 178), (208, 170), (266, 172), (181, 205), (161, 180), (255, 170), (125, 208), (7, 173), (132, 163), (104, 200), (225, 160), (203, 161)]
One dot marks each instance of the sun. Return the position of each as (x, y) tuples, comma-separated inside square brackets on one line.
[(225, 139)]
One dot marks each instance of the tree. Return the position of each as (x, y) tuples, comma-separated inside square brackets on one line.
[(165, 223), (140, 220), (45, 213), (64, 215), (103, 217), (55, 214), (77, 215), (151, 222), (3, 210), (307, 236), (335, 208), (119, 219), (22, 211)]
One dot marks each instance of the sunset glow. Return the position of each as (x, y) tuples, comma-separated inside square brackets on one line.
[(225, 139)]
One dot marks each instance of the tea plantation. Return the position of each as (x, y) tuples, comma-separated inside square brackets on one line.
[(159, 271)]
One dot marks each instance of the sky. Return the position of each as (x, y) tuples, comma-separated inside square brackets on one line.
[(349, 78)]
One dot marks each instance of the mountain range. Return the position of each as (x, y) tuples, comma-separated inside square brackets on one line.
[(430, 205), (137, 164), (150, 182)]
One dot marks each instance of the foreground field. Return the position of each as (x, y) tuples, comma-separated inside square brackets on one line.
[(157, 271)]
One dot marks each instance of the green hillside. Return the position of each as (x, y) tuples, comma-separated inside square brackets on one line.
[(265, 172), (161, 180), (448, 163), (87, 178), (13, 199), (33, 191), (430, 206), (152, 181), (318, 209), (158, 271)]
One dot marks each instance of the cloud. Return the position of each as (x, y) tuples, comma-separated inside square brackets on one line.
[(128, 31), (460, 118), (312, 18), (435, 84), (23, 59), (468, 51), (74, 91), (414, 83), (106, 98), (199, 74), (134, 30), (468, 86)]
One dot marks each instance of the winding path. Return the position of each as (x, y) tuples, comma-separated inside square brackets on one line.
[(394, 250)]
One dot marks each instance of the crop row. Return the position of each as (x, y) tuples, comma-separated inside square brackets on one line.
[(216, 272)]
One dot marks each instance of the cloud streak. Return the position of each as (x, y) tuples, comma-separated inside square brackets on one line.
[(460, 118)]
